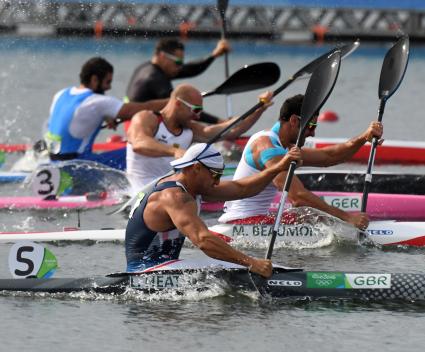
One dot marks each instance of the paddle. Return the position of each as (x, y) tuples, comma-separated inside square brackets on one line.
[(303, 72), (392, 73), (249, 77), (318, 90), (222, 7)]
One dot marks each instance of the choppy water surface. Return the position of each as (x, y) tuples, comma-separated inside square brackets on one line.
[(33, 70)]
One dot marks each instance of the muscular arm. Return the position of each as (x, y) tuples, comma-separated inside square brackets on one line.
[(333, 155), (342, 152), (182, 210), (129, 109), (202, 133), (251, 185), (195, 67), (140, 135), (300, 196)]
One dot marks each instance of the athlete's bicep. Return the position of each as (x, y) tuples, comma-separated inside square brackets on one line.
[(184, 215), (143, 125), (198, 129), (314, 157)]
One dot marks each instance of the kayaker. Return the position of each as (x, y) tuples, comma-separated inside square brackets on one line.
[(266, 148), (157, 137), (77, 114), (152, 79), (162, 218)]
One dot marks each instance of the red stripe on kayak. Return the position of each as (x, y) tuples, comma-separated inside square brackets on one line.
[(97, 147), (387, 154), (13, 148), (225, 238), (414, 242), (106, 147), (160, 265)]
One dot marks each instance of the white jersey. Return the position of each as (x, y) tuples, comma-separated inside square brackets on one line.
[(90, 114), (142, 169), (256, 205)]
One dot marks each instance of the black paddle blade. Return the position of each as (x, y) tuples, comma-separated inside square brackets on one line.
[(348, 49), (393, 68), (344, 50), (249, 77), (319, 88), (222, 6)]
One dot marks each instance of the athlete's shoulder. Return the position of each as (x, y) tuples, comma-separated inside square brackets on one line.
[(101, 98), (146, 116), (176, 196), (262, 141)]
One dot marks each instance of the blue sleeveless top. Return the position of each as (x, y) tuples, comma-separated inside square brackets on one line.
[(60, 119), (144, 247)]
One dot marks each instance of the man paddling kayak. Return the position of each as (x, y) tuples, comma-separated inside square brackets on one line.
[(163, 217), (265, 148), (157, 137), (152, 79), (77, 114)]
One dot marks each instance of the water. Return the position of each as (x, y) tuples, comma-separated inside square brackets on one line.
[(33, 70)]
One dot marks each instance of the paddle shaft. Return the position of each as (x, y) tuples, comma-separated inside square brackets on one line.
[(371, 161), (222, 7), (276, 225), (319, 88), (392, 73), (249, 112)]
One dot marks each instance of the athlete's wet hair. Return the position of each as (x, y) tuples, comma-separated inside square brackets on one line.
[(291, 106), (168, 45), (96, 66)]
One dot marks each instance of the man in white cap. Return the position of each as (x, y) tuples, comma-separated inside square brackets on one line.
[(162, 218)]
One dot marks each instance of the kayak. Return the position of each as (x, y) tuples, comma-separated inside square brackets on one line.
[(13, 177), (72, 234), (385, 233), (380, 206), (180, 276), (97, 147), (391, 152), (353, 181), (63, 203), (82, 169)]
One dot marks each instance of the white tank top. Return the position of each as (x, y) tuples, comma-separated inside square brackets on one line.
[(142, 169), (256, 205)]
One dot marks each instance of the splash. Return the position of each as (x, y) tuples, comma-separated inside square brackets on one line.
[(300, 228)]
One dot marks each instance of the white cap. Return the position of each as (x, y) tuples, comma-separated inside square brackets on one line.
[(202, 152)]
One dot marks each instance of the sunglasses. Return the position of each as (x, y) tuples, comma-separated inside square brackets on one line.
[(215, 173), (311, 125), (177, 60), (196, 109)]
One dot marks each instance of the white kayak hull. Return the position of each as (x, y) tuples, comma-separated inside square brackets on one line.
[(385, 233)]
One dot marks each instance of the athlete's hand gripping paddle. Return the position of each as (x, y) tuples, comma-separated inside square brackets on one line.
[(392, 73), (304, 72), (318, 90)]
